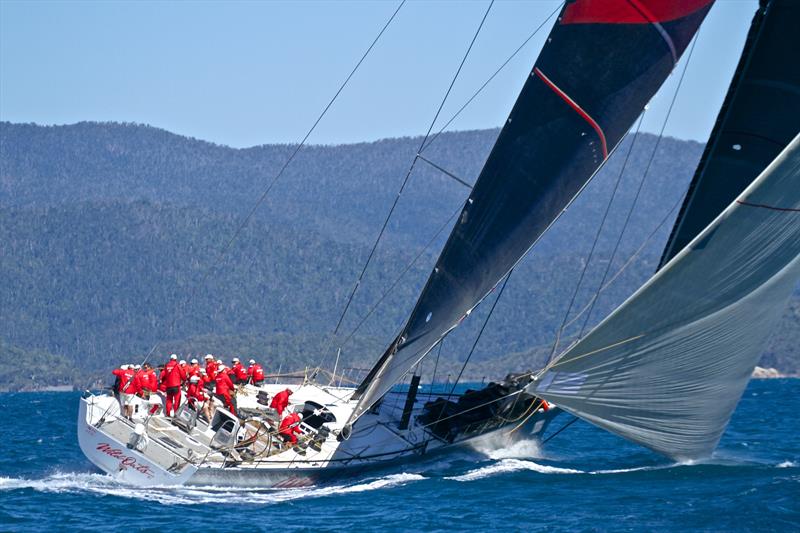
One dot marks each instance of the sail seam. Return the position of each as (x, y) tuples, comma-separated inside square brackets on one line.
[(578, 109), (657, 25)]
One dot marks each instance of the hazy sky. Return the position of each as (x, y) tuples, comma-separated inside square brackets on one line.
[(248, 73)]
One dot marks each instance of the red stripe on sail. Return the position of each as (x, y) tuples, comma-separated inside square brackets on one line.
[(629, 11), (564, 96)]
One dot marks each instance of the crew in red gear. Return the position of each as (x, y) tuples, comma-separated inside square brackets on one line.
[(128, 387), (197, 398), (171, 377), (148, 380), (223, 391), (193, 369), (290, 427), (211, 367), (238, 372), (255, 374), (280, 401)]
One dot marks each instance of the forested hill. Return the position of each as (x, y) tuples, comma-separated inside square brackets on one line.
[(112, 236)]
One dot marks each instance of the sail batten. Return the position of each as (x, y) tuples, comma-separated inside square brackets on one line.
[(698, 327), (602, 63)]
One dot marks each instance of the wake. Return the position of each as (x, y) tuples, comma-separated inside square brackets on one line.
[(105, 485)]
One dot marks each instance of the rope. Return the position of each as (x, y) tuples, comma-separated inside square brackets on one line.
[(565, 426), (480, 333), (644, 177), (596, 240), (402, 188), (274, 180)]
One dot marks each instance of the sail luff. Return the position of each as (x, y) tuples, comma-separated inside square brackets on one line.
[(760, 115), (602, 63), (694, 331)]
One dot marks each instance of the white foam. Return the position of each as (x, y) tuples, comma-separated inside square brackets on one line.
[(500, 447), (183, 495), (786, 464), (505, 466)]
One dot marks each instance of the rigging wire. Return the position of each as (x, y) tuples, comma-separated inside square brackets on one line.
[(596, 238), (496, 72), (641, 183), (274, 180), (480, 333), (402, 187), (463, 182)]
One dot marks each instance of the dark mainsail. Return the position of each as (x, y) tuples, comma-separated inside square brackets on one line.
[(759, 117), (603, 61)]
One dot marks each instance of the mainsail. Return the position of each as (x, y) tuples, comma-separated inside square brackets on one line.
[(602, 63), (667, 368), (759, 117)]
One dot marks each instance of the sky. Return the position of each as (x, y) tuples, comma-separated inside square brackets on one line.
[(245, 73)]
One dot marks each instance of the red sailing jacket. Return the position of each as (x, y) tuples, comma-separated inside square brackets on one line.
[(280, 401), (211, 369), (173, 375), (286, 424), (195, 392), (240, 372), (255, 372), (128, 382), (224, 383)]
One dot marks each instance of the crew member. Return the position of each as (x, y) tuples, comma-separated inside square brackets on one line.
[(197, 398), (238, 371), (224, 385), (211, 367), (280, 401), (290, 427), (194, 369), (255, 374), (128, 387), (171, 378)]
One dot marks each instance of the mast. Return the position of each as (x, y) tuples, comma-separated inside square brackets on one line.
[(760, 115), (602, 63)]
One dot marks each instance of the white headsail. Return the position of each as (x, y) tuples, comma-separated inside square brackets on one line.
[(667, 368)]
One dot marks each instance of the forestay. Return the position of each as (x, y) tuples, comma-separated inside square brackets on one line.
[(668, 367), (602, 62)]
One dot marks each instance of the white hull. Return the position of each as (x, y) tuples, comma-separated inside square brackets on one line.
[(175, 456)]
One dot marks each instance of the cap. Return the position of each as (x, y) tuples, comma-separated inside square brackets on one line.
[(235, 359), (221, 367), (182, 362), (137, 367), (202, 370), (174, 357), (209, 356), (219, 361), (300, 416), (252, 361), (123, 367), (194, 379), (194, 361)]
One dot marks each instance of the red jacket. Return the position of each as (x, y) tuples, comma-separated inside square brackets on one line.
[(239, 372), (173, 375), (211, 369), (224, 383), (143, 378), (255, 372), (280, 401), (195, 392), (149, 380), (287, 426), (128, 382)]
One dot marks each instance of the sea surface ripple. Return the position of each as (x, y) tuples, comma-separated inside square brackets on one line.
[(583, 480)]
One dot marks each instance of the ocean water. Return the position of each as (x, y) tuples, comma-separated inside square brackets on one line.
[(582, 480)]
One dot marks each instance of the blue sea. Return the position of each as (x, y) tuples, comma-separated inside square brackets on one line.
[(584, 479)]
